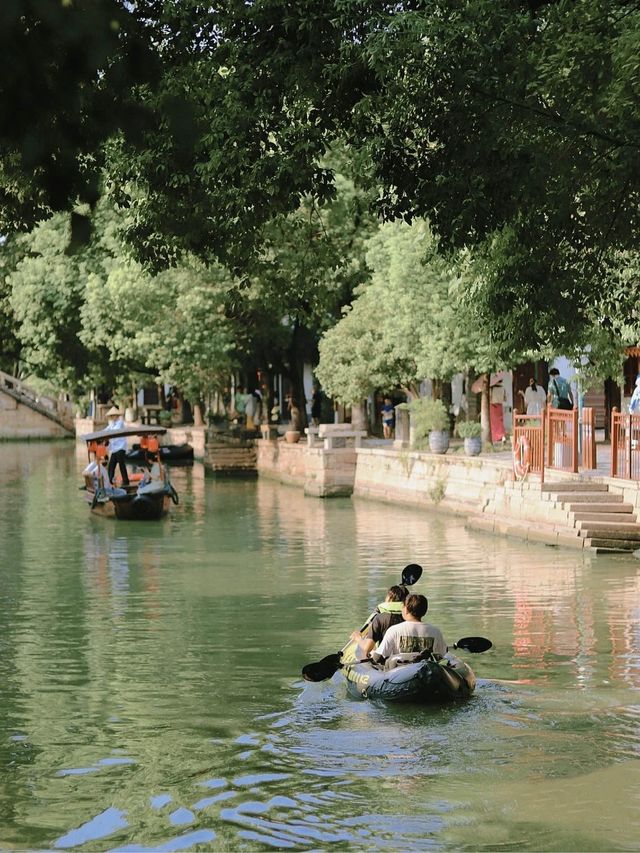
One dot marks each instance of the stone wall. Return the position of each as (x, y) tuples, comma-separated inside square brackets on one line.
[(192, 435), (19, 421), (459, 483), (330, 473), (320, 472), (282, 461)]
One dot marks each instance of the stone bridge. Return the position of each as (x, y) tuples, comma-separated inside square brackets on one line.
[(26, 414)]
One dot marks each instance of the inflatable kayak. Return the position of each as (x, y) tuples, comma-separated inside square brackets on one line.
[(424, 681)]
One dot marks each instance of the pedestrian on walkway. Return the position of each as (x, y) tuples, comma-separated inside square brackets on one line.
[(535, 398), (559, 393)]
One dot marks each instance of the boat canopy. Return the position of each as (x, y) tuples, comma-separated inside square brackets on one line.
[(125, 432)]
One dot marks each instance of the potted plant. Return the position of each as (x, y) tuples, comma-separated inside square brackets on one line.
[(292, 435), (164, 418), (430, 423), (471, 432)]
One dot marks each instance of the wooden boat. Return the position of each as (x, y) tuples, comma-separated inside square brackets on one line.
[(144, 498)]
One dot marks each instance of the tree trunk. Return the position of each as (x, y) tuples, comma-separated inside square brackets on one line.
[(358, 419), (296, 374), (485, 417), (198, 420)]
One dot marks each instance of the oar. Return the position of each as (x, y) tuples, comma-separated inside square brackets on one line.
[(325, 668), (475, 645)]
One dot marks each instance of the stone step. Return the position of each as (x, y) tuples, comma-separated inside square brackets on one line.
[(606, 531), (610, 545), (629, 526), (609, 509), (588, 498), (625, 517), (575, 486)]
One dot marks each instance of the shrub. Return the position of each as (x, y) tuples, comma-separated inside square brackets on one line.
[(469, 429), (427, 416)]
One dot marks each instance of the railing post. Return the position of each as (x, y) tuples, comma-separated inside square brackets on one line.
[(574, 445), (542, 434), (549, 449), (628, 448), (614, 442)]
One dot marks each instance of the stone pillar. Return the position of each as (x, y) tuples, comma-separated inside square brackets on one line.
[(402, 427)]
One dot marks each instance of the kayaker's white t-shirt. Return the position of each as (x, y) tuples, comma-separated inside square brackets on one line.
[(411, 637)]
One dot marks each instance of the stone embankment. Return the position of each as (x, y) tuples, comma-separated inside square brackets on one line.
[(594, 514)]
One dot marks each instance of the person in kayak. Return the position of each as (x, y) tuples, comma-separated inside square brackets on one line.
[(389, 613), (412, 635)]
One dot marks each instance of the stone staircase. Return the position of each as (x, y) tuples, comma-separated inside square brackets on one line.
[(14, 394), (599, 516)]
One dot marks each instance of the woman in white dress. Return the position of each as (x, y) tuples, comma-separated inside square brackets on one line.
[(535, 398)]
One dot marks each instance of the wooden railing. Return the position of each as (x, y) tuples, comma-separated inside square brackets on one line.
[(625, 445), (562, 439), (528, 443)]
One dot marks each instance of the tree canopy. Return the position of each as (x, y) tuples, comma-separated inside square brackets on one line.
[(510, 124), (408, 322)]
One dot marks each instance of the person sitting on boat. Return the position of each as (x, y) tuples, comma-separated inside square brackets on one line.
[(153, 472), (98, 474), (389, 613), (117, 446), (412, 635)]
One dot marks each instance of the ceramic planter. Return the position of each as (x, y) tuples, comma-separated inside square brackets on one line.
[(473, 446), (438, 441), (292, 436)]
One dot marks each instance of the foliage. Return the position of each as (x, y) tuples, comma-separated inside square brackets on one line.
[(409, 321), (9, 343), (428, 416), (511, 125), (69, 69), (172, 323), (469, 429), (97, 315), (47, 290)]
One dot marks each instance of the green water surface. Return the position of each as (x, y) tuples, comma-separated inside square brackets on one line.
[(150, 696)]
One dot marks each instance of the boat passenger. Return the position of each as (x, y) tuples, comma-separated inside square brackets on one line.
[(95, 470), (117, 446), (412, 635), (389, 613)]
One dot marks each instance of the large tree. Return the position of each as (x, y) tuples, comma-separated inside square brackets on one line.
[(511, 124), (409, 320)]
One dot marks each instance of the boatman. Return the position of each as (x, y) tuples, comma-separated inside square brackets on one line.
[(117, 446), (412, 635), (389, 613)]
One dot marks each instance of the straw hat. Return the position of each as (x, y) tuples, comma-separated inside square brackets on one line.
[(114, 410)]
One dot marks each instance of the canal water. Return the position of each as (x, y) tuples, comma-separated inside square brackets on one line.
[(150, 696)]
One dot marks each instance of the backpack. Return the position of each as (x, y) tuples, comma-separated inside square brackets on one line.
[(563, 402)]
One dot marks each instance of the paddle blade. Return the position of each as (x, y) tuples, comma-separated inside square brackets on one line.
[(322, 669), (476, 645), (411, 574)]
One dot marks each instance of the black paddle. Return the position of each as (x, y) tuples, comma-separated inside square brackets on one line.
[(475, 645), (325, 668)]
